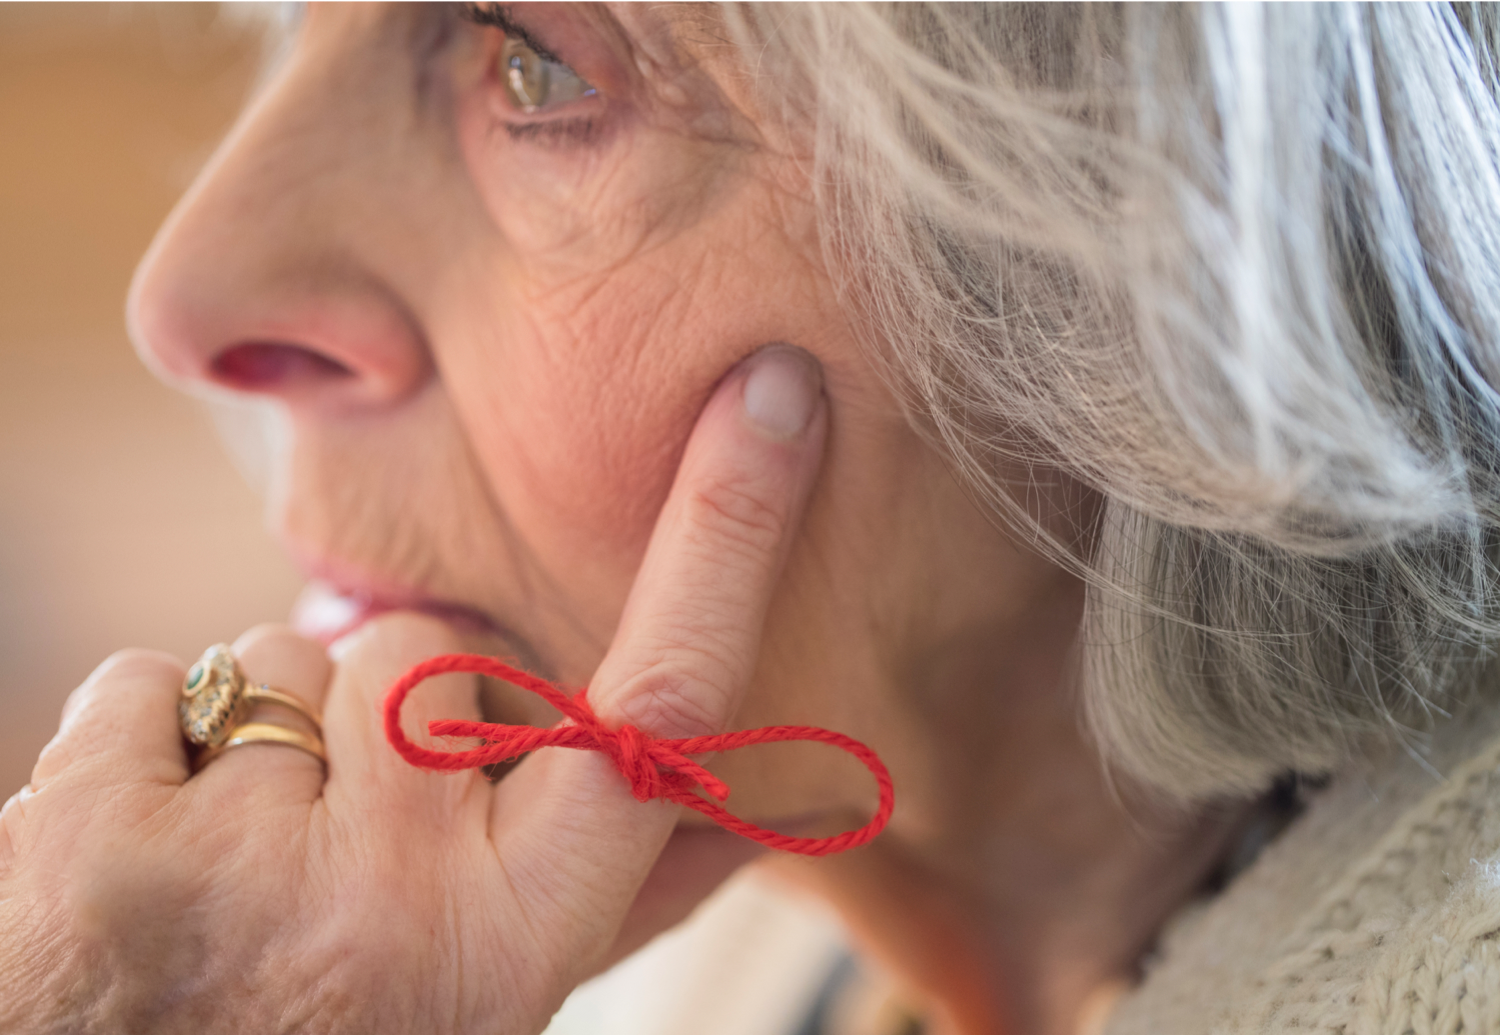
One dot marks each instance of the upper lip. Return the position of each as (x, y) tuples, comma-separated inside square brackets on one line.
[(373, 595)]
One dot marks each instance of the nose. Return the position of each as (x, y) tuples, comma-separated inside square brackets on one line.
[(269, 278)]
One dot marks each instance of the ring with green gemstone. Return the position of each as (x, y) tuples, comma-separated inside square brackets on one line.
[(217, 699)]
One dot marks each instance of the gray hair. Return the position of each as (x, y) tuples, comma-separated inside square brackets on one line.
[(1237, 270)]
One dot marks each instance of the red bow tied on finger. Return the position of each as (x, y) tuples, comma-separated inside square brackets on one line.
[(654, 768)]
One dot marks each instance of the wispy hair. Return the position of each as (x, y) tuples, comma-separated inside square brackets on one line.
[(1236, 271)]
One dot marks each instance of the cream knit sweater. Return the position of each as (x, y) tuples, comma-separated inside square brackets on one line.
[(1376, 913)]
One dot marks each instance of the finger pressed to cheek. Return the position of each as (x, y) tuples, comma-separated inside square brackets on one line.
[(688, 640), (690, 633)]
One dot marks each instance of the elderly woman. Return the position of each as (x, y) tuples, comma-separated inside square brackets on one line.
[(1091, 409)]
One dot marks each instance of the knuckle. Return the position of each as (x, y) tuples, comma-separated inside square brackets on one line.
[(53, 759), (392, 642), (63, 752), (12, 827), (670, 701), (122, 670), (136, 665), (395, 636), (732, 514), (267, 634)]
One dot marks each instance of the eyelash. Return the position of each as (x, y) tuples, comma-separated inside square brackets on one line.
[(554, 132), (497, 16)]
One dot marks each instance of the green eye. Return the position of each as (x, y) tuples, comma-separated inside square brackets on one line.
[(536, 83)]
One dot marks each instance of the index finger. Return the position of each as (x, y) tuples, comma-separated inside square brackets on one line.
[(690, 633)]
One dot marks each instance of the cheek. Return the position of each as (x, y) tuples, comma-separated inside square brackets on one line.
[(578, 405), (573, 208), (579, 395), (614, 297)]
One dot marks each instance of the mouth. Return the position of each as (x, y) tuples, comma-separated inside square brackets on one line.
[(327, 611)]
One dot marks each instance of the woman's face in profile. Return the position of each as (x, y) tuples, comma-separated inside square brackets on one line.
[(493, 286)]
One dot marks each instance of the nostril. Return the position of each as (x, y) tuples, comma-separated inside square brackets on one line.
[(267, 367)]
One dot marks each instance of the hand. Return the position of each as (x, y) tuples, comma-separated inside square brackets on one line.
[(259, 896)]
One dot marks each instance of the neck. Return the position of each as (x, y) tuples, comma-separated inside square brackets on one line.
[(1022, 885)]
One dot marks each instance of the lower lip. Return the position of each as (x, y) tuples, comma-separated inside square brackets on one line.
[(322, 613), (326, 614)]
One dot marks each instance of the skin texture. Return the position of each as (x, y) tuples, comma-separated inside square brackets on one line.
[(258, 896), (491, 337)]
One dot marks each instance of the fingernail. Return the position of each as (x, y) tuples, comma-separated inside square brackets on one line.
[(782, 390)]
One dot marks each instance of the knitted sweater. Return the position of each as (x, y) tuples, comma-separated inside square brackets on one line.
[(1376, 913)]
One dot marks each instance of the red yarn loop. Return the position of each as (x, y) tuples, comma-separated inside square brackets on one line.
[(653, 767)]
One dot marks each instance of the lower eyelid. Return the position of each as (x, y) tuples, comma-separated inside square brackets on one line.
[(557, 131)]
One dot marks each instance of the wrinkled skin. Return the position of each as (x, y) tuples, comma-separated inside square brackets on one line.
[(509, 355), (386, 898)]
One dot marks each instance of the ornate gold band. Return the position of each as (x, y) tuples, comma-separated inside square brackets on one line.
[(266, 694)]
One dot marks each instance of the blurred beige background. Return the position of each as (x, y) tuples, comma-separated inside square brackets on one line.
[(121, 520)]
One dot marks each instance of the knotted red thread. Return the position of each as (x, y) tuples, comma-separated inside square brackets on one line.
[(654, 768)]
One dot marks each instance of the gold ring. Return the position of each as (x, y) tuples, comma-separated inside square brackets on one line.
[(217, 700), (262, 733)]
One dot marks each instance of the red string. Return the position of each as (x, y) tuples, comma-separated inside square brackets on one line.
[(654, 768)]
